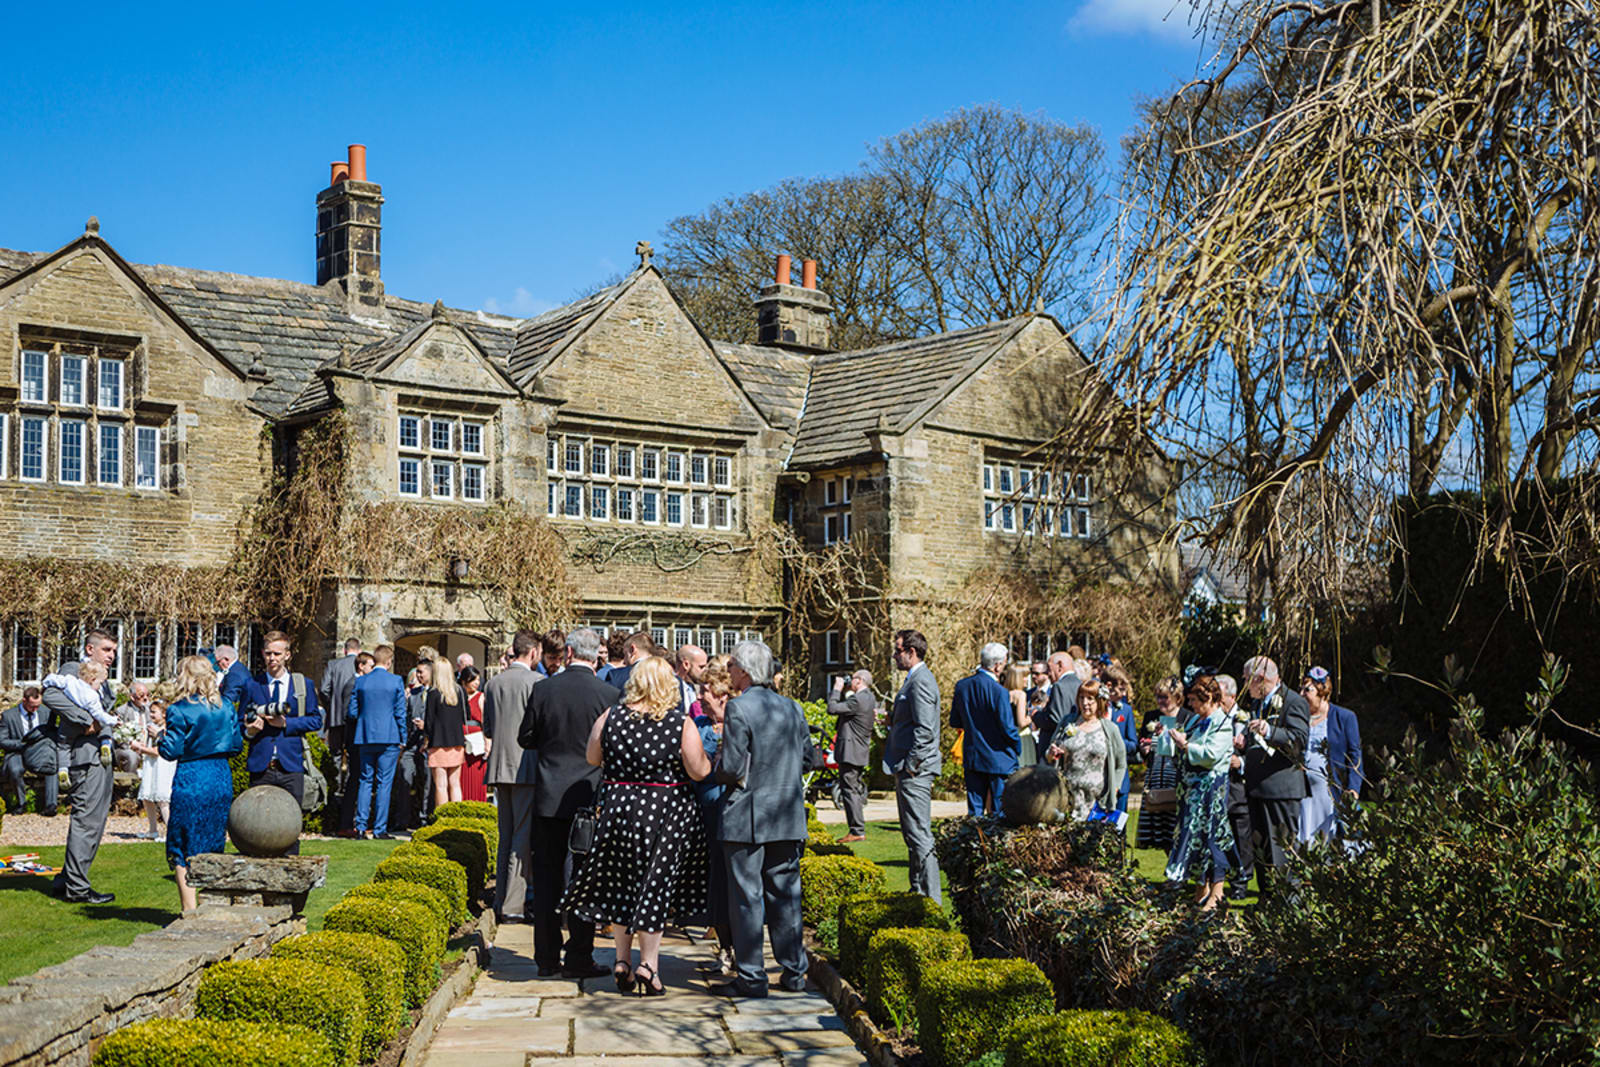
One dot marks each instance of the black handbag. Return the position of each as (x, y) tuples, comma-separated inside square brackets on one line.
[(580, 839)]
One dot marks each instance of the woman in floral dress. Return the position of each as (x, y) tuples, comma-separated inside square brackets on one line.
[(1203, 846)]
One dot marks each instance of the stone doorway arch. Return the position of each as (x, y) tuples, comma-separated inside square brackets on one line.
[(448, 643)]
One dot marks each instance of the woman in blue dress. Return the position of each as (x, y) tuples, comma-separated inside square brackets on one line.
[(202, 732), (1333, 759), (1203, 846)]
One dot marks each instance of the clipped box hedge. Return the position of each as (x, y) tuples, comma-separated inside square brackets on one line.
[(1091, 1038), (825, 881), (295, 992), (489, 828), (408, 924), (447, 877), (466, 846), (825, 845), (376, 961), (896, 960), (965, 1006), (864, 914), (467, 809), (437, 903), (214, 1043)]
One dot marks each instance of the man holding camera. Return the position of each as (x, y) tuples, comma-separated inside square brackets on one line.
[(278, 708), (856, 712)]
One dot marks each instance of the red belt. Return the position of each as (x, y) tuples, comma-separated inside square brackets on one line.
[(652, 785)]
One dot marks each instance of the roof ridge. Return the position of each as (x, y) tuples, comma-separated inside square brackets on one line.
[(849, 353)]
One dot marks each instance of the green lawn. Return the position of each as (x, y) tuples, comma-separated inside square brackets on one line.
[(38, 930)]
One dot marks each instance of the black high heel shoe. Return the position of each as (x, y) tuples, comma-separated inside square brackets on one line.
[(651, 987), (622, 974)]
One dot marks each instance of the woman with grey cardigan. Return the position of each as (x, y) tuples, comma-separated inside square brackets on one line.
[(1092, 757)]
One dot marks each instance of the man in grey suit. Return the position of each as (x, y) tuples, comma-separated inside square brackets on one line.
[(763, 821), (851, 748), (1061, 710), (912, 756), (1274, 774), (28, 739), (511, 772), (89, 781), (338, 678)]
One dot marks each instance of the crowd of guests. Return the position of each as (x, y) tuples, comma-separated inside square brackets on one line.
[(1232, 781)]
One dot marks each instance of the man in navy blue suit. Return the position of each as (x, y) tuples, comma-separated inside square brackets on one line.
[(235, 678), (279, 708), (376, 723), (990, 745)]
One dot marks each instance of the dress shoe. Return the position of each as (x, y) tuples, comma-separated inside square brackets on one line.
[(591, 969), (384, 837), (850, 838), (49, 814), (93, 896), (547, 971), (792, 983), (738, 987)]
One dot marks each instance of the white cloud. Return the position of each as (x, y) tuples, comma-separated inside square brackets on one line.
[(522, 305), (1170, 20)]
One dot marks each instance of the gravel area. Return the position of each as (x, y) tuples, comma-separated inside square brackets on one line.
[(32, 830)]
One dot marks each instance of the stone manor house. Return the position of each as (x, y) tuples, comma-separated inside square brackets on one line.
[(144, 408)]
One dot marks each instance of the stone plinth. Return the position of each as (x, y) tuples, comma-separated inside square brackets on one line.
[(256, 881)]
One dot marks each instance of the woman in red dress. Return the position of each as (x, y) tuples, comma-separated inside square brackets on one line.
[(472, 787)]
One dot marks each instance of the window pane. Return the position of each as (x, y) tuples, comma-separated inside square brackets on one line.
[(410, 431), (1007, 479), (146, 648), (574, 506), (146, 475), (625, 505), (1044, 484), (624, 462), (72, 379), (988, 478), (1025, 481), (32, 465), (600, 460), (830, 529), (551, 452), (722, 472), (650, 506), (698, 510), (697, 468), (441, 434), (1083, 522), (472, 438), (650, 464), (1027, 517), (34, 376), (1008, 517), (599, 502), (472, 481), (730, 638), (720, 512), (989, 510), (443, 479), (658, 634), (681, 635), (28, 663), (552, 496), (830, 491), (72, 451), (110, 383), (225, 633), (675, 509), (574, 456), (409, 475), (674, 466), (110, 454)]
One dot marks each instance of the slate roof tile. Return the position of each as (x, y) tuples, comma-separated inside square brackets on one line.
[(774, 378)]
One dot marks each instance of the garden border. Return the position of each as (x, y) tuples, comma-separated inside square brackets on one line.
[(452, 989)]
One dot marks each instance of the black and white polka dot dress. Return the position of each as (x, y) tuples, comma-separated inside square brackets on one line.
[(648, 864)]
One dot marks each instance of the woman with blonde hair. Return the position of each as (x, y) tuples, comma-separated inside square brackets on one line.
[(202, 732), (444, 720), (648, 862), (1016, 680)]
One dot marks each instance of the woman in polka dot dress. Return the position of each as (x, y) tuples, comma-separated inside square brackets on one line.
[(648, 863)]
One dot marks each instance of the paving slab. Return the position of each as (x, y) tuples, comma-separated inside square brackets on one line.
[(438, 1057), (787, 1004), (630, 1007), (789, 1040), (824, 1057), (497, 1008), (690, 1035), (502, 1035), (494, 985), (654, 1061), (778, 1022)]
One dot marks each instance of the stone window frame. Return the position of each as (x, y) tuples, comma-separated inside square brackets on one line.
[(100, 453), (55, 362), (1027, 499), (838, 648), (424, 451), (42, 422), (82, 426)]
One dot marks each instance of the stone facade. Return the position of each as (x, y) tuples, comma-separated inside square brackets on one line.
[(615, 417)]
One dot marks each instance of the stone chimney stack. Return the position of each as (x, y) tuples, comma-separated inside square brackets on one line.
[(794, 316), (349, 232)]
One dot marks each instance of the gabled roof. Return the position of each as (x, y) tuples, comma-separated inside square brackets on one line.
[(775, 379), (539, 340), (851, 391)]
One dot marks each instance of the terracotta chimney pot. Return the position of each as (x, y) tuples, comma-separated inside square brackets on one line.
[(338, 171), (783, 270), (808, 274), (358, 162)]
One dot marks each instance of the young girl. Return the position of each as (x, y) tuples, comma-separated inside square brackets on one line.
[(155, 773)]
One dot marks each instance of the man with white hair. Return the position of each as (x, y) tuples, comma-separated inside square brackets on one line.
[(1274, 780), (1062, 708), (852, 747), (235, 677), (990, 744)]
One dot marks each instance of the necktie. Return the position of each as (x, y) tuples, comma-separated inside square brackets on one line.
[(277, 692)]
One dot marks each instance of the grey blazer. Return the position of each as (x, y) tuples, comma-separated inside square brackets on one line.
[(505, 704), (913, 746), (37, 747), (1061, 711), (763, 742), (71, 720), (338, 678), (855, 714)]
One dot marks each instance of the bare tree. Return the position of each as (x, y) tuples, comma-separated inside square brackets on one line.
[(974, 217)]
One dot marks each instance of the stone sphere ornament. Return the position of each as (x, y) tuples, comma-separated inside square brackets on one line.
[(264, 821), (1035, 795)]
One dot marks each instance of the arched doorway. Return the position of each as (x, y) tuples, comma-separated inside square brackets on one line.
[(447, 643)]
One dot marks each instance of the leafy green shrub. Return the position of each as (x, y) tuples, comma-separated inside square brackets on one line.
[(329, 1000), (828, 934), (992, 1058), (408, 924), (865, 914), (963, 1006), (437, 903), (489, 828), (896, 960), (214, 1043), (419, 848), (466, 809), (448, 878), (827, 880), (1093, 1038), (814, 825), (464, 847), (376, 961), (825, 845)]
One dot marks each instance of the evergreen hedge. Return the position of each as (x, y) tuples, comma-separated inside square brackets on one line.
[(408, 924), (963, 1006), (896, 960), (376, 961), (213, 1043), (437, 903), (825, 881), (468, 847), (466, 809), (295, 992), (447, 877), (865, 914), (1086, 1038)]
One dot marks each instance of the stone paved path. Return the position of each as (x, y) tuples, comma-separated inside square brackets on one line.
[(514, 1018)]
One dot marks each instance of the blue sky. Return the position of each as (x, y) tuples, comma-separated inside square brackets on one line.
[(522, 148)]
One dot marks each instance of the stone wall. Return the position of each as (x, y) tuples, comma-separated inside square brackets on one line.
[(59, 1014)]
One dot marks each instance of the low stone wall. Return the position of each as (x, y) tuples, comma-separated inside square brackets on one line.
[(59, 1014)]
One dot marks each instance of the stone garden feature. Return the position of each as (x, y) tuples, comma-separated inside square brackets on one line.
[(256, 880), (264, 821)]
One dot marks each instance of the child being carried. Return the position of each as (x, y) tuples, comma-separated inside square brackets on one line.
[(84, 691)]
